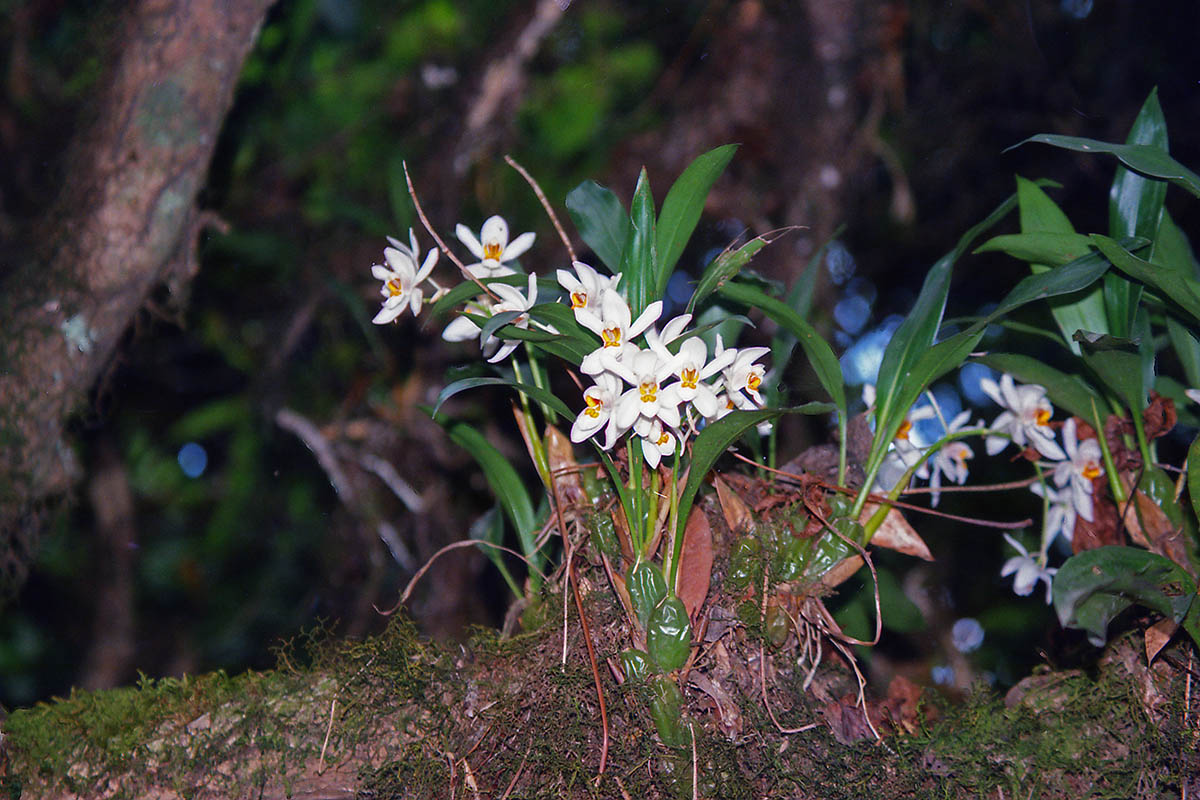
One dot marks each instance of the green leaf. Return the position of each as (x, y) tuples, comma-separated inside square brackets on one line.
[(505, 483), (724, 267), (681, 210), (913, 341), (638, 263), (468, 290), (1084, 310), (647, 588), (1135, 203), (799, 298), (1118, 364), (1039, 247), (1070, 392), (1145, 159), (1187, 349), (820, 354), (536, 393), (668, 634), (1172, 249), (1193, 475), (1094, 586), (601, 220), (490, 528), (1174, 286), (496, 322)]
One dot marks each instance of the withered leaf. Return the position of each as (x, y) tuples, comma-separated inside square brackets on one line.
[(737, 513), (896, 534), (840, 572), (1157, 636), (847, 720), (695, 563), (1105, 527), (564, 470)]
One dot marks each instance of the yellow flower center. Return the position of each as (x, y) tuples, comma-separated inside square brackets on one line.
[(594, 405), (649, 391), (1091, 470), (905, 427), (663, 439), (493, 251), (578, 299), (611, 337), (689, 377), (1042, 417), (394, 288), (753, 381)]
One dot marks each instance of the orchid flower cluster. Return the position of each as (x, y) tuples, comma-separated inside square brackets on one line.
[(661, 385), (665, 387), (1026, 422)]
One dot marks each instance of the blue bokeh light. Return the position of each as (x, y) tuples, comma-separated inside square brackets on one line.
[(967, 634), (193, 459)]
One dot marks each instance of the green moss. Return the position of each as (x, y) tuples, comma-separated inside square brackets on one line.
[(510, 713)]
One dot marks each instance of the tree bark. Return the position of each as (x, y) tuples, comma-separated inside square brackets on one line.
[(123, 224)]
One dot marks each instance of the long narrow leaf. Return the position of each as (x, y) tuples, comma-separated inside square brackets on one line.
[(914, 338), (1146, 159), (1081, 311), (536, 393), (601, 220), (638, 260), (824, 362), (1171, 283), (1043, 248), (682, 207), (723, 268), (506, 485)]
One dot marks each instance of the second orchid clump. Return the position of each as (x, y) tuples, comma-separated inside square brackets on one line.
[(1065, 471)]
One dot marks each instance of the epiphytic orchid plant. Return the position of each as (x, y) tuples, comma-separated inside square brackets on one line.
[(660, 400)]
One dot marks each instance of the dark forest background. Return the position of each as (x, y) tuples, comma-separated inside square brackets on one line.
[(244, 456)]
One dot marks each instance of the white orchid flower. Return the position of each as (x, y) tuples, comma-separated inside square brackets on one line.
[(1060, 514), (492, 248), (599, 401), (1026, 417), (692, 367), (1078, 470), (657, 441), (401, 278), (743, 377), (950, 460), (1029, 570), (511, 299), (616, 330), (586, 286), (648, 399)]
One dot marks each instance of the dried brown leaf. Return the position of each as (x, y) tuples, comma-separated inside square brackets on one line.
[(726, 712), (695, 564), (737, 513), (847, 720), (840, 572), (896, 534), (564, 470), (1157, 636)]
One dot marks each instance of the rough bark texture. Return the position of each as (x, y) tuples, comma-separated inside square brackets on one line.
[(123, 224)]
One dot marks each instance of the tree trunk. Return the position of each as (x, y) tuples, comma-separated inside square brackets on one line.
[(124, 223)]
